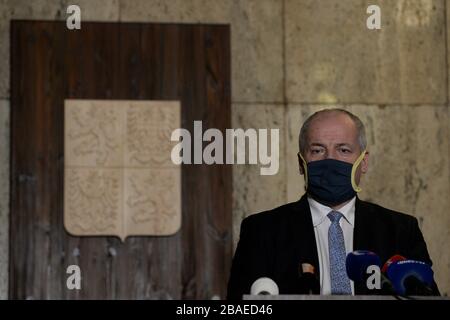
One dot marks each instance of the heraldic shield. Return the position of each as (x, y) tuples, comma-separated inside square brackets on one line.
[(119, 179)]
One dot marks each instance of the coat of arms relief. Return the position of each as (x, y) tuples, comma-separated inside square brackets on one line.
[(119, 179)]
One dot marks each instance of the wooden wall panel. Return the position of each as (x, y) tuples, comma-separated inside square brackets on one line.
[(128, 61)]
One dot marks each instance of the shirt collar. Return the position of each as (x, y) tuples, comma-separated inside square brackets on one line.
[(320, 211)]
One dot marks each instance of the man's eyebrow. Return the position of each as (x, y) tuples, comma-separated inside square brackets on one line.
[(344, 144), (316, 144)]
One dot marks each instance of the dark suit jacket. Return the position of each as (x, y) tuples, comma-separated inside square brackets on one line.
[(272, 244)]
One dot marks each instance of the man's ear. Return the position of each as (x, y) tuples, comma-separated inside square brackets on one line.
[(365, 163), (300, 164)]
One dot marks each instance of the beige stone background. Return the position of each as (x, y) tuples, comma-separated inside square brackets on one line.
[(290, 58)]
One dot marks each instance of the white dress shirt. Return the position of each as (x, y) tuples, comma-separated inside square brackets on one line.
[(321, 224)]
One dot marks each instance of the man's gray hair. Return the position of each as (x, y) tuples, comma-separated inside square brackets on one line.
[(303, 137)]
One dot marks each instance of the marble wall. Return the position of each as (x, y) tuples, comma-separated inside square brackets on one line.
[(291, 58), (333, 57)]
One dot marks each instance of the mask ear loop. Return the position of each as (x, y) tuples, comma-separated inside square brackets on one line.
[(305, 170), (354, 167)]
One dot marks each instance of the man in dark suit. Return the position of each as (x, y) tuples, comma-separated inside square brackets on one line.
[(328, 222)]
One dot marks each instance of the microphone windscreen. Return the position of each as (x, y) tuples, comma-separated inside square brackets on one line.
[(391, 260), (401, 271), (357, 263), (264, 286)]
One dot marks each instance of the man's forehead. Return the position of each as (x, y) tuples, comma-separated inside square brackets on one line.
[(335, 117), (333, 120), (333, 126)]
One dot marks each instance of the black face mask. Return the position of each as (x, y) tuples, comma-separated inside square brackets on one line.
[(331, 181)]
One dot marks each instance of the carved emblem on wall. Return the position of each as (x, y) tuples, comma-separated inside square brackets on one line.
[(118, 175)]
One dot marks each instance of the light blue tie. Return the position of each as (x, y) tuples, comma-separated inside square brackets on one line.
[(340, 283)]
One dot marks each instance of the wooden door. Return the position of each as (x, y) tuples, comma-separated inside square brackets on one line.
[(132, 61)]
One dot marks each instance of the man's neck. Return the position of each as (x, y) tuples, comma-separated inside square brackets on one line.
[(338, 206), (335, 207)]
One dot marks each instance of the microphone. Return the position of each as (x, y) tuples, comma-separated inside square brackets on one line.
[(386, 284), (357, 263), (307, 280), (411, 277), (264, 286), (391, 260)]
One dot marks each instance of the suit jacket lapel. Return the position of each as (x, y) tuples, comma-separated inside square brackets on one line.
[(362, 225), (362, 236), (304, 237)]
